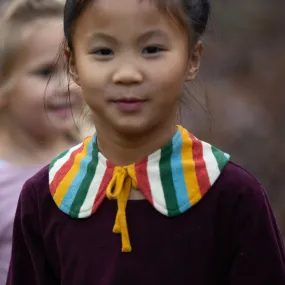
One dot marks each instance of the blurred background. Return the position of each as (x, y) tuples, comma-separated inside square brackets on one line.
[(238, 101)]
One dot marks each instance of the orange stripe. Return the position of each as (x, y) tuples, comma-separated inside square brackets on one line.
[(188, 162), (200, 166), (64, 170), (68, 178)]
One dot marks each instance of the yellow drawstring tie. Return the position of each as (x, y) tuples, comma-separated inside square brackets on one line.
[(119, 188)]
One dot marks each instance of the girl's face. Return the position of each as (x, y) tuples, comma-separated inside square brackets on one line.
[(38, 99), (131, 61)]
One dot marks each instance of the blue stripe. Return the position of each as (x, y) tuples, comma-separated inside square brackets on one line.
[(227, 156), (72, 191), (178, 175)]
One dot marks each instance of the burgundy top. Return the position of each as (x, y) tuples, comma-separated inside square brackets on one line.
[(229, 237)]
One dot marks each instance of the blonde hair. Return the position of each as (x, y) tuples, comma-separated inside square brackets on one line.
[(20, 15), (14, 29)]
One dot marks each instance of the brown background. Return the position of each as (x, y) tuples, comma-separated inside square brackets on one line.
[(242, 91)]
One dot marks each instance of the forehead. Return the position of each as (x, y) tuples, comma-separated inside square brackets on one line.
[(133, 14), (43, 39)]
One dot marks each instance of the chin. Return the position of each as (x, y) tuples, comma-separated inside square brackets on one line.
[(63, 122), (132, 128), (63, 127)]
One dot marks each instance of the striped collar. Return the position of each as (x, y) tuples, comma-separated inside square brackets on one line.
[(173, 179)]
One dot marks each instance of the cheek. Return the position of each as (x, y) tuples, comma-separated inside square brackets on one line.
[(29, 94), (93, 84), (49, 88), (89, 74), (169, 79)]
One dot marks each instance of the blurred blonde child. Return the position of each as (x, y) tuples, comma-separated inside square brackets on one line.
[(37, 110)]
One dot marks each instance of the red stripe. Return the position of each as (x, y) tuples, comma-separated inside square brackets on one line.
[(200, 166), (64, 170), (103, 186), (142, 179)]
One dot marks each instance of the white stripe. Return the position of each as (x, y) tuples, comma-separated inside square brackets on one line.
[(59, 163), (156, 188), (86, 208), (211, 163)]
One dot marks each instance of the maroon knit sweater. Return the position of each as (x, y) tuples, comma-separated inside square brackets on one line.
[(229, 238)]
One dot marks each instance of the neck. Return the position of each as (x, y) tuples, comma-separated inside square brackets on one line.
[(20, 147), (122, 150)]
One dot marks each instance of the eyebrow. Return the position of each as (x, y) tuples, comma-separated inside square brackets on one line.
[(151, 34), (103, 37), (142, 38)]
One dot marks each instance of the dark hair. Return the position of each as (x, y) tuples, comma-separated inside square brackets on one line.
[(192, 14)]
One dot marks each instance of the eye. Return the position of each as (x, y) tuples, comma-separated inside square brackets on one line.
[(152, 50), (103, 52), (45, 71)]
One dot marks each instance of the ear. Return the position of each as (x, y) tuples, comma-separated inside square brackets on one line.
[(194, 61), (72, 66)]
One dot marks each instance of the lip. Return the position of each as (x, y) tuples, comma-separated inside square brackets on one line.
[(61, 110), (129, 104)]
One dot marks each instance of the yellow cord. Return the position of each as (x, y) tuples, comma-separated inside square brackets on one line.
[(119, 188)]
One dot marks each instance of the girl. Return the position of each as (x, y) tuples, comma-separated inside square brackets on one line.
[(30, 132), (184, 214)]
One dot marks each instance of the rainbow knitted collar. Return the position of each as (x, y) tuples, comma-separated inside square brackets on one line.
[(172, 179)]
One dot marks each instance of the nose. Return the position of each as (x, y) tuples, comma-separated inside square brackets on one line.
[(127, 74)]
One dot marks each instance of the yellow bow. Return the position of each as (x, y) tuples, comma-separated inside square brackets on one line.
[(119, 188)]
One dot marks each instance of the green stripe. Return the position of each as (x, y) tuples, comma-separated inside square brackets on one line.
[(57, 158), (222, 160), (85, 185), (167, 181)]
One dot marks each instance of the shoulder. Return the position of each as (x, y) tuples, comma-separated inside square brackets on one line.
[(238, 185), (33, 191), (37, 181), (238, 190), (60, 165), (240, 204), (69, 152), (235, 179), (39, 186)]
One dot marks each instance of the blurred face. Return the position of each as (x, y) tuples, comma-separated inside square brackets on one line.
[(131, 62), (38, 100)]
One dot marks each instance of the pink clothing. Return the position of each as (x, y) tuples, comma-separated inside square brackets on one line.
[(11, 182)]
